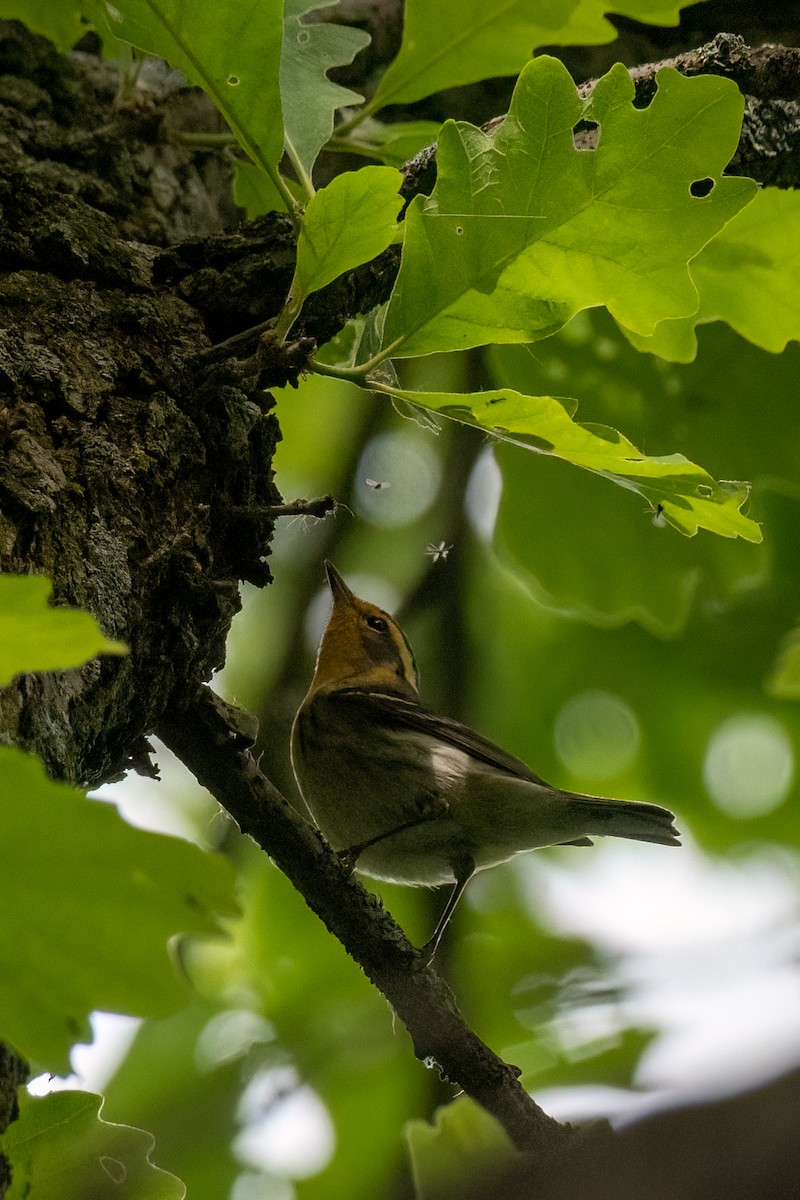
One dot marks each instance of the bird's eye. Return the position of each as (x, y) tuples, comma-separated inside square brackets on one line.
[(378, 624)]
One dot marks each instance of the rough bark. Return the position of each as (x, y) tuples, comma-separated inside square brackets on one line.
[(136, 463), (128, 468)]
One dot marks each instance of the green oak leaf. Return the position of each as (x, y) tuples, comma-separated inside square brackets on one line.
[(60, 1147), (349, 222), (454, 42), (523, 230), (629, 567), (677, 490), (89, 904), (748, 275), (232, 50), (346, 224), (309, 97), (36, 637)]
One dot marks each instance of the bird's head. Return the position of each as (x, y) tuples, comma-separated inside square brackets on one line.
[(362, 645)]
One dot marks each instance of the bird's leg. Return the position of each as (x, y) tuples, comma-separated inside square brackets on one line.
[(463, 869), (431, 808)]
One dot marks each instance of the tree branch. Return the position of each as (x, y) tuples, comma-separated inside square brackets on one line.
[(210, 738), (765, 72), (769, 77)]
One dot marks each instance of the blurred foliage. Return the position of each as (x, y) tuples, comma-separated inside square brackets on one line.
[(60, 1147), (38, 637), (59, 948), (463, 1142)]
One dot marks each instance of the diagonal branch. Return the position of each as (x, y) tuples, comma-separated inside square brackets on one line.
[(213, 740)]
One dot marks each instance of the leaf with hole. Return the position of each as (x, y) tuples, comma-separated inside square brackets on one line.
[(676, 489), (748, 275), (523, 230)]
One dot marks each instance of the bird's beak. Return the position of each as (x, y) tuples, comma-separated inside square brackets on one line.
[(341, 592)]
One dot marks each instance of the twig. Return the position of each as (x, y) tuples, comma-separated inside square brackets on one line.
[(323, 506), (225, 349)]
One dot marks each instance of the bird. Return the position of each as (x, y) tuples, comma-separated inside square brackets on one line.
[(406, 795)]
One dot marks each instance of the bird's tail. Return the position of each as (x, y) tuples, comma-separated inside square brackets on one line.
[(624, 819)]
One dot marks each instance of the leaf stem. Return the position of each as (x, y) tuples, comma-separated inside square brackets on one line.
[(354, 374), (354, 121), (343, 145), (202, 141), (289, 314), (303, 178), (359, 374)]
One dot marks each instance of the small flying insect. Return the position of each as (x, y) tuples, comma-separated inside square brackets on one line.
[(377, 485), (438, 550)]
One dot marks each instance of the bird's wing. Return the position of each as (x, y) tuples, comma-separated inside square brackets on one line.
[(410, 714)]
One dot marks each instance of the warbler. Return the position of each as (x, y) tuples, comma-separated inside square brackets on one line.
[(406, 795)]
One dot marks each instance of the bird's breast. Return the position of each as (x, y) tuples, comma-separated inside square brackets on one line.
[(362, 780)]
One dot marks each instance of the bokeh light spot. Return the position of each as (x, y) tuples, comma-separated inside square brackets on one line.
[(405, 466), (749, 765), (482, 497), (229, 1035), (287, 1129), (596, 735)]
